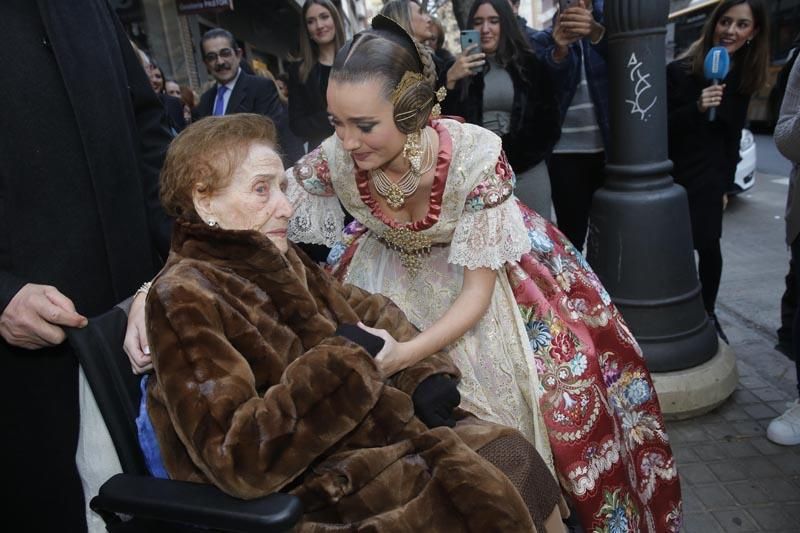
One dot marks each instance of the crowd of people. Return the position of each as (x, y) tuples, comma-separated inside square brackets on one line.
[(364, 301)]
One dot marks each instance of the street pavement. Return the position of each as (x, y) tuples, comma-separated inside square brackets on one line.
[(733, 478)]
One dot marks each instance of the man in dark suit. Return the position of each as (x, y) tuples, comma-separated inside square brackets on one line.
[(236, 91), (81, 227)]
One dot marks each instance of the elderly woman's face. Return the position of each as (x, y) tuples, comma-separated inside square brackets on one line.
[(255, 198)]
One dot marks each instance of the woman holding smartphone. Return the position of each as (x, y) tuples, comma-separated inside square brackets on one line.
[(511, 95), (321, 35)]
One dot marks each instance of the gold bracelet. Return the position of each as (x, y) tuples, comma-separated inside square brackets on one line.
[(144, 289)]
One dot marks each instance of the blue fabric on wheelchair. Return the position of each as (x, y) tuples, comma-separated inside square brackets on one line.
[(147, 437)]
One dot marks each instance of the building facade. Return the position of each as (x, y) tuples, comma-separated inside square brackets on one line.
[(266, 30)]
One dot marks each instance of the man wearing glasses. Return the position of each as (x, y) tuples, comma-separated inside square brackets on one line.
[(235, 91)]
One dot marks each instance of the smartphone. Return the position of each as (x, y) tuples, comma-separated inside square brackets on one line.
[(469, 38), (565, 4)]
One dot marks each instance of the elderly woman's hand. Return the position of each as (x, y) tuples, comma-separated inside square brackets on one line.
[(136, 345), (465, 62)]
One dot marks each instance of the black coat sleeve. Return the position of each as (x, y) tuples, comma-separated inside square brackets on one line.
[(308, 117), (154, 139), (266, 102), (9, 287), (682, 95), (538, 127)]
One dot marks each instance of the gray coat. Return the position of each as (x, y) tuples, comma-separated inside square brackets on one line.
[(787, 139)]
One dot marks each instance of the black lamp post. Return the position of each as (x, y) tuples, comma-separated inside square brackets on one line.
[(640, 241)]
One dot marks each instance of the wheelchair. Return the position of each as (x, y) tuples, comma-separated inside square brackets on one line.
[(134, 501)]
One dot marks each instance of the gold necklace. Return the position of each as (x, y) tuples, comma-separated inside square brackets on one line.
[(396, 193)]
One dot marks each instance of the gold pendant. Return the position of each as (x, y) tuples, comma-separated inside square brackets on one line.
[(395, 197), (411, 245)]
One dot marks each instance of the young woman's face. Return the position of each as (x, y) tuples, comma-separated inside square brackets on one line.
[(156, 78), (735, 27), (364, 122), (320, 26), (487, 21), (420, 22)]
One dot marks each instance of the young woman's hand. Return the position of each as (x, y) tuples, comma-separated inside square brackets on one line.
[(465, 62), (392, 358), (710, 97)]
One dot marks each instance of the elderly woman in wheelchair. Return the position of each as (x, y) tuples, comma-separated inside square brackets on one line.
[(266, 376)]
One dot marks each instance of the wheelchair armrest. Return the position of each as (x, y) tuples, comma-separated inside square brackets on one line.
[(194, 504)]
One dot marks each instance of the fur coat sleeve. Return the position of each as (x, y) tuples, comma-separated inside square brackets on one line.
[(248, 441)]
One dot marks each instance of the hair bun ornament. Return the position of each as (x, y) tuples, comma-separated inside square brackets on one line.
[(413, 97), (382, 22)]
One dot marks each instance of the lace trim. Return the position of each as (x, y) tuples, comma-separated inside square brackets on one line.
[(316, 219), (490, 237)]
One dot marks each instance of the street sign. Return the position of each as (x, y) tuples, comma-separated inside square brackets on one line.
[(193, 7)]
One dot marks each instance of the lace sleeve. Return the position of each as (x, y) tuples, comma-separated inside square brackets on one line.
[(491, 231), (318, 217)]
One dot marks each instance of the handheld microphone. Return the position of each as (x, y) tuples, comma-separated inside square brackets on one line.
[(717, 64)]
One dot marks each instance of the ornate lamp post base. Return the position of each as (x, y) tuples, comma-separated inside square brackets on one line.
[(640, 239), (697, 390)]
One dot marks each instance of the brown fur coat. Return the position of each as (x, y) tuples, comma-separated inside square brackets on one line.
[(254, 393)]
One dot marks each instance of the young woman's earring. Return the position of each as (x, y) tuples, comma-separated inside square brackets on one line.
[(211, 222), (412, 150)]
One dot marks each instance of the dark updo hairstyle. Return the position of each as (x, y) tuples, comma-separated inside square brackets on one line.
[(386, 53)]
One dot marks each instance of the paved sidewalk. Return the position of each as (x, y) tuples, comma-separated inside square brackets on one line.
[(733, 478)]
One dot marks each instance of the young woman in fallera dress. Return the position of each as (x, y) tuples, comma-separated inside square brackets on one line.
[(439, 231)]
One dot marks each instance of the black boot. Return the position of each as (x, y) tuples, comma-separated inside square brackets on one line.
[(713, 318)]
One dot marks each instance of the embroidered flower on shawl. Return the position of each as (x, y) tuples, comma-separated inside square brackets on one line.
[(563, 347), (637, 392), (540, 242), (619, 513), (350, 233), (578, 364), (618, 521), (611, 372), (313, 173), (641, 426), (539, 335), (493, 190), (674, 519)]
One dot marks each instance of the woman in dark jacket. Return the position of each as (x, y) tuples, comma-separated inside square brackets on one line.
[(512, 95), (705, 152), (321, 35)]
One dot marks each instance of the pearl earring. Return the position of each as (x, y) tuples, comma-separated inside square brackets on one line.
[(211, 222)]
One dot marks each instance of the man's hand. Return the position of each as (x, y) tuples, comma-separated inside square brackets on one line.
[(35, 316), (136, 345), (571, 26)]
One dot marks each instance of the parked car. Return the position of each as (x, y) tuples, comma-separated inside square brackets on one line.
[(746, 169)]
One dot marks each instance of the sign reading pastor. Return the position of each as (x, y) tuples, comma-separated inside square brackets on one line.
[(193, 7)]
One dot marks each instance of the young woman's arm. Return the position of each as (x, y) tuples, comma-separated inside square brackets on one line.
[(467, 309)]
